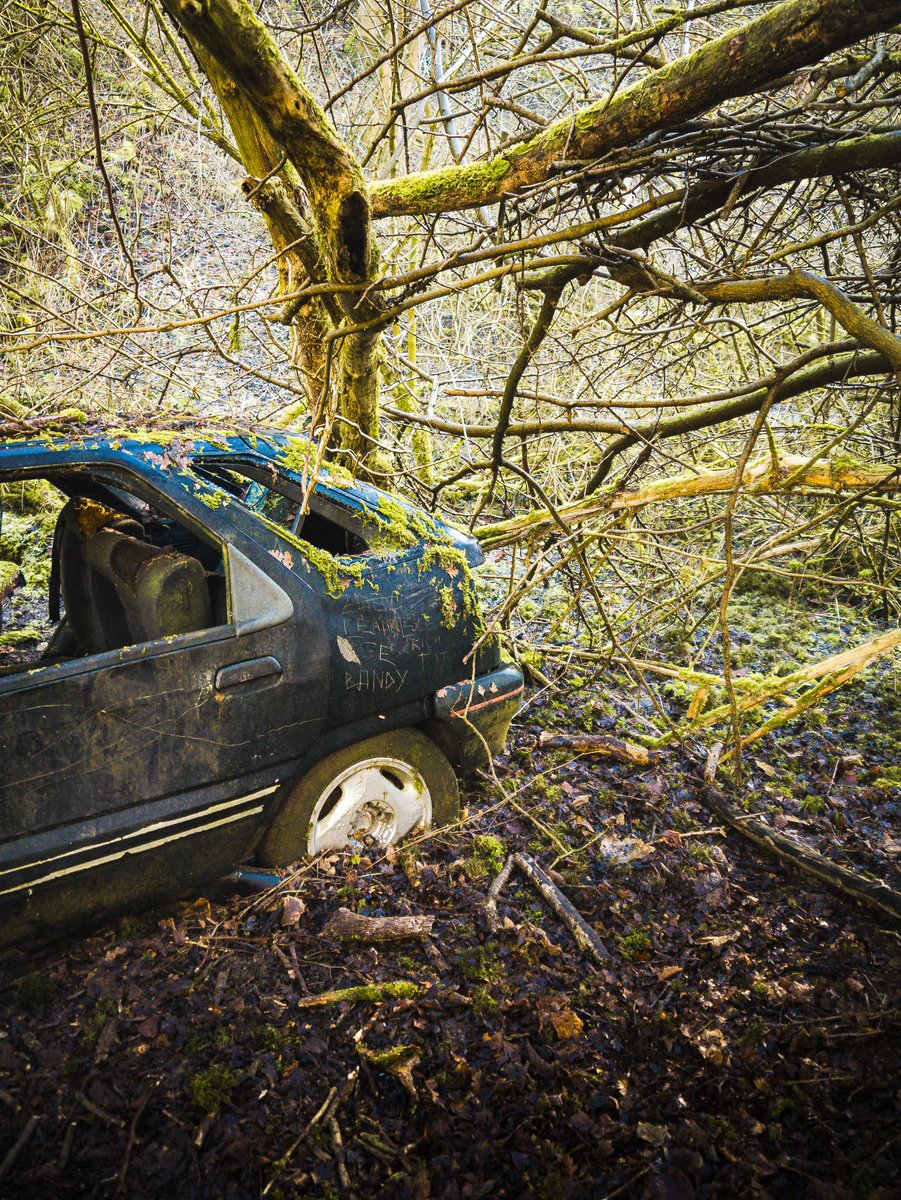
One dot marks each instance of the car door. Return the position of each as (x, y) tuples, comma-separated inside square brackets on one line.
[(136, 773)]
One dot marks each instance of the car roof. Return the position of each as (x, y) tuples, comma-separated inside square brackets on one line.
[(171, 453)]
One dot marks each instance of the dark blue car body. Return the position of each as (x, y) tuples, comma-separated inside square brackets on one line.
[(134, 766)]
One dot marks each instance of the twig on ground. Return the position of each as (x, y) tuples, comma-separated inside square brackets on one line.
[(130, 1145), (100, 1113), (304, 1133), (398, 1061), (203, 1129), (66, 1148), (494, 893), (350, 926), (298, 974), (585, 937), (338, 1144), (598, 743), (19, 1145)]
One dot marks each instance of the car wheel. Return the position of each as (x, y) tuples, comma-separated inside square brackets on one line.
[(372, 793)]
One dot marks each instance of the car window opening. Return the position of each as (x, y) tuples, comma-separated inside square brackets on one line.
[(325, 526), (101, 570)]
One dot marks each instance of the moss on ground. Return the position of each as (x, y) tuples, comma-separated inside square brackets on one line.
[(487, 858), (212, 1087)]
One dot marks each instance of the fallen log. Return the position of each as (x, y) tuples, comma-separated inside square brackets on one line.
[(347, 926), (871, 892), (598, 743)]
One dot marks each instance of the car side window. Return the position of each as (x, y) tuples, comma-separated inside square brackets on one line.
[(277, 499), (86, 568)]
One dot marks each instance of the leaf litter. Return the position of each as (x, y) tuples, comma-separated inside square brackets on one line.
[(741, 1039)]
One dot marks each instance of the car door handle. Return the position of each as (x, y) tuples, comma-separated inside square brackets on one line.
[(250, 671)]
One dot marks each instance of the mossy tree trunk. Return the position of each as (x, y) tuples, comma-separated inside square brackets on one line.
[(313, 197), (280, 201)]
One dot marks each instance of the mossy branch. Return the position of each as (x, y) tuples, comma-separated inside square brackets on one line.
[(827, 675), (367, 993), (804, 285), (788, 472), (787, 37)]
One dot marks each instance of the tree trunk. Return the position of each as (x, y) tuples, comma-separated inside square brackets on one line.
[(290, 148)]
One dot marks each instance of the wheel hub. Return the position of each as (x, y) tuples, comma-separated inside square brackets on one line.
[(376, 801), (375, 821)]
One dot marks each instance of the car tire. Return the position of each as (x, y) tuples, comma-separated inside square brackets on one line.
[(373, 792)]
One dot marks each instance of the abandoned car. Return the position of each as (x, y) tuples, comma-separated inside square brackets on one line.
[(246, 662)]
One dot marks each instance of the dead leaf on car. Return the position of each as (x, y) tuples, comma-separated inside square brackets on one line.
[(347, 651)]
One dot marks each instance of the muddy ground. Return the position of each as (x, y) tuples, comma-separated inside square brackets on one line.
[(741, 1039)]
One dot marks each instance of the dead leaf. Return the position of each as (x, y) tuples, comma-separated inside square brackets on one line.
[(654, 1135), (150, 1026), (567, 1024), (347, 651), (717, 940), (712, 1045), (698, 702), (769, 771), (293, 909), (617, 851)]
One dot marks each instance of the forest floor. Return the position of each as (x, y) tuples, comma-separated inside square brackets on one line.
[(741, 1040)]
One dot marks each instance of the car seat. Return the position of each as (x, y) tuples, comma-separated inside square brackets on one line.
[(119, 590)]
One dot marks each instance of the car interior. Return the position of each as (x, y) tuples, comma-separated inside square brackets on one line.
[(121, 573)]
